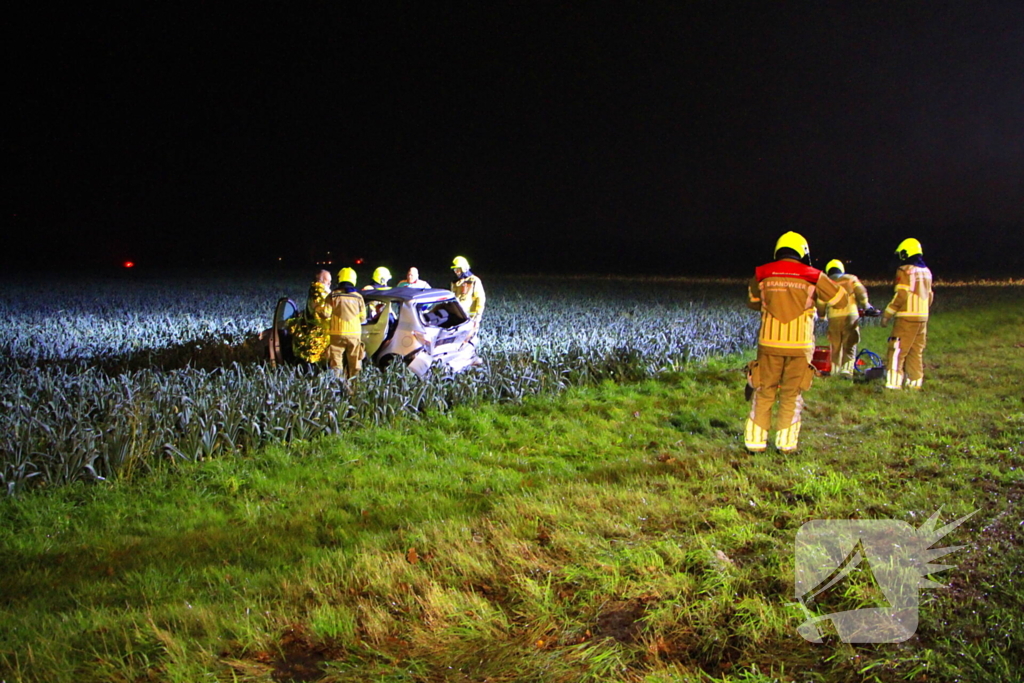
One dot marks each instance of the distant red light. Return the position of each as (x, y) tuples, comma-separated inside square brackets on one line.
[(129, 264), (359, 261)]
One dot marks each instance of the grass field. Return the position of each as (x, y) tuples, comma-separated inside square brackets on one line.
[(615, 532)]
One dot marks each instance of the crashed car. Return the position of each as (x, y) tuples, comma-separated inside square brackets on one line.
[(417, 327)]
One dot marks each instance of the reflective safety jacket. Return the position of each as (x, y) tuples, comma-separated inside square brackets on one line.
[(913, 296), (470, 293), (348, 311), (856, 295), (786, 293)]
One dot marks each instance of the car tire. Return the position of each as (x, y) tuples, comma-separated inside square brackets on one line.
[(388, 360)]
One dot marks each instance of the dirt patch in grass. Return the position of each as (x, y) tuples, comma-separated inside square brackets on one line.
[(620, 620), (300, 659)]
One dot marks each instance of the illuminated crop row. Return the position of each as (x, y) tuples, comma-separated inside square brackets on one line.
[(109, 377)]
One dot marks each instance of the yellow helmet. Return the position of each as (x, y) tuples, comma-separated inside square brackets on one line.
[(834, 264), (908, 247), (347, 275), (460, 262), (381, 275), (796, 242)]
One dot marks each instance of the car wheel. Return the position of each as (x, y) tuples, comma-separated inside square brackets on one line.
[(388, 360)]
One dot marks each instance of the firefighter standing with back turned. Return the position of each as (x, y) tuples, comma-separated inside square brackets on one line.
[(381, 277), (348, 311), (785, 292), (844, 322), (909, 307)]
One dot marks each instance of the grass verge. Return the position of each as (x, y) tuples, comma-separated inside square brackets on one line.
[(617, 532)]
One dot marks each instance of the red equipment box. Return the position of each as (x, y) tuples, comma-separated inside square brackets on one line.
[(822, 360)]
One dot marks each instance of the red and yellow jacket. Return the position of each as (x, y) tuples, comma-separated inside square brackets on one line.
[(786, 293), (913, 296)]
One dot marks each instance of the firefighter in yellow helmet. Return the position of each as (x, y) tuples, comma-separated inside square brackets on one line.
[(348, 311), (785, 292), (381, 277), (844, 323), (468, 289), (909, 309)]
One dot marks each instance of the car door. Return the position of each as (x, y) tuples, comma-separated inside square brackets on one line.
[(376, 326)]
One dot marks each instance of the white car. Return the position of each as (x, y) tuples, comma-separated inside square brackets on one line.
[(418, 327)]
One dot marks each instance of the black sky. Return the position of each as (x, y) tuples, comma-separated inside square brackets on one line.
[(590, 136)]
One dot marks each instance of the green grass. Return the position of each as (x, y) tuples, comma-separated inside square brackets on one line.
[(617, 532)]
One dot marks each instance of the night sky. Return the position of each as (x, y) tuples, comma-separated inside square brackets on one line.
[(672, 138)]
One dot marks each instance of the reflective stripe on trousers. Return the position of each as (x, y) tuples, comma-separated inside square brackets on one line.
[(906, 354), (786, 439), (755, 438), (893, 377)]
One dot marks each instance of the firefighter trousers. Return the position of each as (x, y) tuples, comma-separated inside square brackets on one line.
[(905, 361), (843, 337), (777, 377), (345, 355)]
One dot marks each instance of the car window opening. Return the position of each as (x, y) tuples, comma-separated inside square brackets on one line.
[(286, 308), (443, 314)]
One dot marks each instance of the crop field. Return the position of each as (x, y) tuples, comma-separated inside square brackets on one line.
[(105, 377)]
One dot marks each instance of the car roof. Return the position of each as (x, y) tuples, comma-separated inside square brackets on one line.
[(404, 294)]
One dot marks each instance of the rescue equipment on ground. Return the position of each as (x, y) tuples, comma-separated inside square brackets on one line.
[(822, 360), (868, 366)]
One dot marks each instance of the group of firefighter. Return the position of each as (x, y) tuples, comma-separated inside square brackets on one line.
[(789, 293), (331, 325)]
